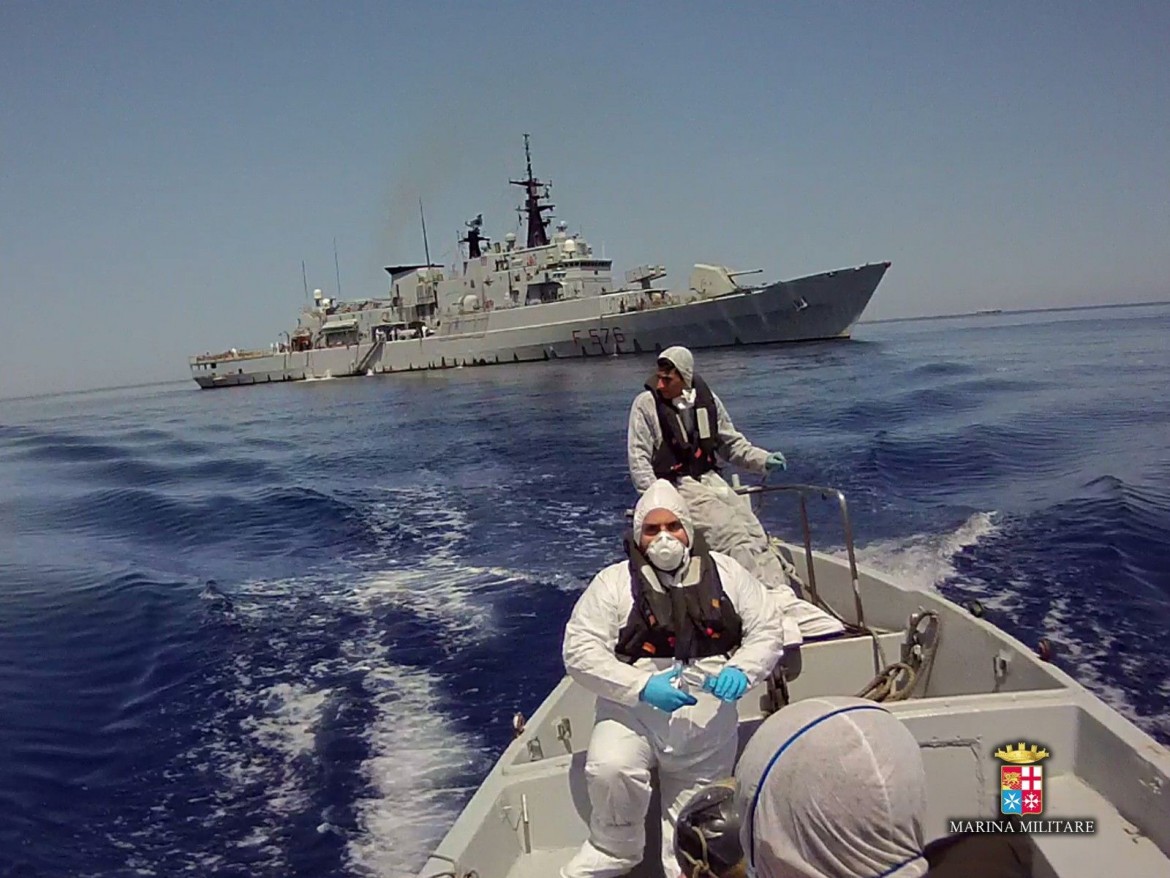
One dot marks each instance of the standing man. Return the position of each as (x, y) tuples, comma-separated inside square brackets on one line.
[(679, 431)]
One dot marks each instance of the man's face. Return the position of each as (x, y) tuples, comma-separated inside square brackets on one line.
[(657, 521), (669, 382)]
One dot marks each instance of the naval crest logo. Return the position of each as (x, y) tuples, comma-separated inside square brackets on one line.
[(1021, 799), (1021, 780)]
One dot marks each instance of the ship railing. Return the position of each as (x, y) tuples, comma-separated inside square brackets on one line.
[(225, 356)]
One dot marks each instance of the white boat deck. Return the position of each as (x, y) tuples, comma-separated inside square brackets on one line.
[(985, 689)]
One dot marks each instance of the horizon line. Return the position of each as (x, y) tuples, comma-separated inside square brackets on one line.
[(983, 312)]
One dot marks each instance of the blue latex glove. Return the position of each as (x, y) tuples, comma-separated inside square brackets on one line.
[(658, 692), (730, 684), (775, 461)]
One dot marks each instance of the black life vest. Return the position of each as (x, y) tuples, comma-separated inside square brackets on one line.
[(687, 622), (682, 452)]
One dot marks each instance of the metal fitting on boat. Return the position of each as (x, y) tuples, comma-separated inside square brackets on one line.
[(1000, 664), (565, 733)]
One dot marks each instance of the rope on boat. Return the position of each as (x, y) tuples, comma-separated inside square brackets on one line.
[(701, 866), (885, 686)]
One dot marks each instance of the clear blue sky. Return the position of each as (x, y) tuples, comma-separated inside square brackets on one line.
[(165, 167)]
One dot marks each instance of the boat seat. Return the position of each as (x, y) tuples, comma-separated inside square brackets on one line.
[(792, 662), (1116, 840)]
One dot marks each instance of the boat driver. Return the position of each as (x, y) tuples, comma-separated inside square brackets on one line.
[(636, 625), (677, 404)]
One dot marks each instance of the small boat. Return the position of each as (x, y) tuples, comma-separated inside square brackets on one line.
[(965, 689)]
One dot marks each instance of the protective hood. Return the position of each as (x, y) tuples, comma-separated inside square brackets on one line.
[(683, 360), (832, 788), (663, 495)]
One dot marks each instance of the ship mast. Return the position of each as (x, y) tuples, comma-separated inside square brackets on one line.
[(537, 236)]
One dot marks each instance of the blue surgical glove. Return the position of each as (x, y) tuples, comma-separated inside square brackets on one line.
[(730, 684), (775, 461), (658, 692)]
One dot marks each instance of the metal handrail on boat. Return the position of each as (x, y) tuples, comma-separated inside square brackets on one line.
[(916, 653), (803, 492)]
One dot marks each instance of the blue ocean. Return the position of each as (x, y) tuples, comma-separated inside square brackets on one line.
[(282, 630)]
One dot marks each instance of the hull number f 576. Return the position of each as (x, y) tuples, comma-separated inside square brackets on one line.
[(600, 338)]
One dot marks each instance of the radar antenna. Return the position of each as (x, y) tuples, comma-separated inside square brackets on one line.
[(474, 237), (534, 191)]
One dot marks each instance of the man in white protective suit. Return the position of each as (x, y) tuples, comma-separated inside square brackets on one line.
[(642, 637), (679, 430), (831, 787)]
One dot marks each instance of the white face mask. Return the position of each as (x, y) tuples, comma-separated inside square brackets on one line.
[(667, 553)]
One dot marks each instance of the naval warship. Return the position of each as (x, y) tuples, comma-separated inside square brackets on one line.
[(552, 298)]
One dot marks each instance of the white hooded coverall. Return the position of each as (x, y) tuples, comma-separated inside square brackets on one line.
[(727, 523), (692, 746), (832, 787)]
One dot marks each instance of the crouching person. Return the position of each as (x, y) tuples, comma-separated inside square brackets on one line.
[(831, 787), (668, 641)]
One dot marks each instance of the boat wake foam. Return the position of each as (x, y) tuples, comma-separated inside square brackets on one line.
[(923, 561), (416, 755), (318, 731)]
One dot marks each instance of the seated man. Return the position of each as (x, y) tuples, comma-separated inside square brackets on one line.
[(678, 430), (831, 788), (640, 637)]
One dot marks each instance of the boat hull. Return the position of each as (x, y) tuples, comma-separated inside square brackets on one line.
[(985, 689), (813, 308)]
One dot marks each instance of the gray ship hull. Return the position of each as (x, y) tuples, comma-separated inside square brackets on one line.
[(816, 307)]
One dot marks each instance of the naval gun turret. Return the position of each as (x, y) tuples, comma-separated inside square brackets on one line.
[(711, 281)]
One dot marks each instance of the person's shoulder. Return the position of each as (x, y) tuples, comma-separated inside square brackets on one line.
[(643, 406), (611, 578), (610, 588), (611, 570), (722, 559)]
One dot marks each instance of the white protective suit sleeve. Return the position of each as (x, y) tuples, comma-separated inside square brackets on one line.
[(763, 632), (644, 434), (734, 446), (832, 787), (591, 635)]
